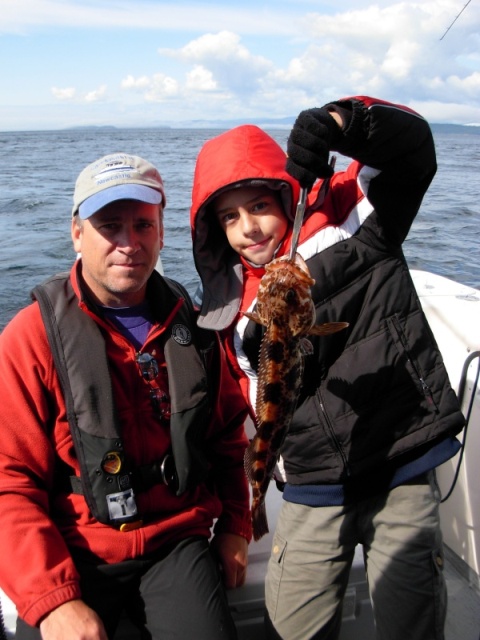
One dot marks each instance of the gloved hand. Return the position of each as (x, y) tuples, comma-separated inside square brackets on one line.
[(309, 145)]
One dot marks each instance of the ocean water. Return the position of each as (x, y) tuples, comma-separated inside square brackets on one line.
[(39, 169)]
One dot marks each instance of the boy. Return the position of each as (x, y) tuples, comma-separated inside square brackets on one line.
[(376, 413)]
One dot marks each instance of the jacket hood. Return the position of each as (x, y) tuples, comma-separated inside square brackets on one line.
[(243, 156)]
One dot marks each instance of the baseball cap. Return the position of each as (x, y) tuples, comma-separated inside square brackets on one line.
[(118, 176)]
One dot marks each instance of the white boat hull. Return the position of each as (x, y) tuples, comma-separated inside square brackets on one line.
[(453, 312)]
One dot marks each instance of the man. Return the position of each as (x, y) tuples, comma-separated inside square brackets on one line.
[(376, 412), (122, 436)]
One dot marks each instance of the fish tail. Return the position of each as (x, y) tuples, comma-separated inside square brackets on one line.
[(249, 461), (259, 520)]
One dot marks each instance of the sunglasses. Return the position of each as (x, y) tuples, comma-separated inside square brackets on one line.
[(149, 370)]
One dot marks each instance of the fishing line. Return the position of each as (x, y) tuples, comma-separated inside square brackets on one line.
[(455, 19)]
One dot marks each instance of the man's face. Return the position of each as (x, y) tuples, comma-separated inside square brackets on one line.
[(119, 246), (253, 221)]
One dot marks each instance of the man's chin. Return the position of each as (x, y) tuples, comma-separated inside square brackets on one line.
[(127, 286)]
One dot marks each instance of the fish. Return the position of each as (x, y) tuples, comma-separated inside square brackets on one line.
[(285, 307)]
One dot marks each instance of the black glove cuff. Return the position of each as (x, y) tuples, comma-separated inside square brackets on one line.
[(319, 123), (356, 120)]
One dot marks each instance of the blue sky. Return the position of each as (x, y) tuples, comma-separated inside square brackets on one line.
[(146, 63)]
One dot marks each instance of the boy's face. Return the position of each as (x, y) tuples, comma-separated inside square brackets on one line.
[(253, 221)]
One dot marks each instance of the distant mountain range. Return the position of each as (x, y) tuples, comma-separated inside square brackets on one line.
[(455, 128), (277, 123), (287, 122)]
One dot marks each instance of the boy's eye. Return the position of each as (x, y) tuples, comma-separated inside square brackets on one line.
[(258, 206), (227, 217)]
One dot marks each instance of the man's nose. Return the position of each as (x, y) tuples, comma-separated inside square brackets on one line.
[(128, 239)]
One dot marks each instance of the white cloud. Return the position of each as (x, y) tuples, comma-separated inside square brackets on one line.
[(219, 64), (394, 52), (229, 63), (468, 86), (400, 59), (162, 88), (135, 83), (96, 94), (70, 93), (64, 94), (155, 89), (200, 79), (436, 111)]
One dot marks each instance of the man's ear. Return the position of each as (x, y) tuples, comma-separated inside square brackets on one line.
[(76, 232)]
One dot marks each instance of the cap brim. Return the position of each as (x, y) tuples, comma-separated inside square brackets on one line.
[(120, 192)]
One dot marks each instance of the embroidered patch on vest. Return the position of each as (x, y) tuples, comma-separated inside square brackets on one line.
[(181, 334)]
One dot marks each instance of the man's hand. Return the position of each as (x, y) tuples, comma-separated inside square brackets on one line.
[(232, 552), (73, 620)]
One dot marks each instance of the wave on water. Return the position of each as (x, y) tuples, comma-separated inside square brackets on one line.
[(36, 200)]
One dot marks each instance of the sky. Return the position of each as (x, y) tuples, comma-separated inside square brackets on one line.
[(131, 63)]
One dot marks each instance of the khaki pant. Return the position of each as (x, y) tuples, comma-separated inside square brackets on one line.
[(313, 550)]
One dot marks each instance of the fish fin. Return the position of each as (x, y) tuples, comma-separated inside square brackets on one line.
[(253, 316), (306, 347), (248, 461), (327, 328), (259, 521)]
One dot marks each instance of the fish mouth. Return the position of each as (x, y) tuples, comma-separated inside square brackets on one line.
[(300, 262), (296, 266)]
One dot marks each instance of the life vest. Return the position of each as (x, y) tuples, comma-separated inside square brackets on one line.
[(106, 481)]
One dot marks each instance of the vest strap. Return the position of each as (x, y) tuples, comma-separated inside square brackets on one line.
[(145, 477), (107, 481)]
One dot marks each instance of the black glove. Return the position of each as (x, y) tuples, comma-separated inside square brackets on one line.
[(309, 145)]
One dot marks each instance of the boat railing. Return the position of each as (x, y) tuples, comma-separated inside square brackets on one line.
[(462, 390)]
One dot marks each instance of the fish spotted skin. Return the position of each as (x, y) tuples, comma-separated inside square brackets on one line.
[(285, 307)]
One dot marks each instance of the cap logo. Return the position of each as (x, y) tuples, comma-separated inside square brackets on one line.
[(181, 334), (115, 171)]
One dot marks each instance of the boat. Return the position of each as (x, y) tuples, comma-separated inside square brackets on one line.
[(453, 312)]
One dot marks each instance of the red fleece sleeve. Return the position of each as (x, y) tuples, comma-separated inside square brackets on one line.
[(36, 571)]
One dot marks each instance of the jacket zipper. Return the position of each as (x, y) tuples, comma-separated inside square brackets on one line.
[(334, 437), (425, 388)]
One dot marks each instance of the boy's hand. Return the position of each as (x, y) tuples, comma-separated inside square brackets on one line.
[(309, 145)]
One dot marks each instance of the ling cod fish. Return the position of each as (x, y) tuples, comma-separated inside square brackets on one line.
[(285, 307)]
